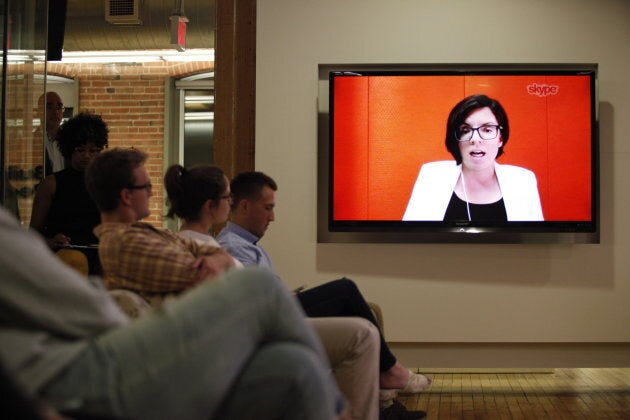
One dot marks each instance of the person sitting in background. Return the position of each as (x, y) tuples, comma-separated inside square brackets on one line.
[(233, 348), (253, 203), (63, 210), (200, 197)]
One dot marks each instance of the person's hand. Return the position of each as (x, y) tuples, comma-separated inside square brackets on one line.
[(58, 240), (345, 414), (212, 265)]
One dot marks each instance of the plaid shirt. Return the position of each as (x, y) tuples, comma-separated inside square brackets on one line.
[(139, 257)]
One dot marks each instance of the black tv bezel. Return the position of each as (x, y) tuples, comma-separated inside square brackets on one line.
[(397, 231)]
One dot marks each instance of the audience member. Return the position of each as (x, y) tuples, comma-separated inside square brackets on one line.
[(200, 197), (63, 210), (253, 203), (62, 338), (140, 257)]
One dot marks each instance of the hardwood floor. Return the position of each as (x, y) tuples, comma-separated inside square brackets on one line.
[(563, 394)]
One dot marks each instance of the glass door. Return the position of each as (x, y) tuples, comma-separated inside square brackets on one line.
[(24, 46)]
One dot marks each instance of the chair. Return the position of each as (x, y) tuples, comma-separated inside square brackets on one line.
[(75, 259), (378, 314), (130, 302)]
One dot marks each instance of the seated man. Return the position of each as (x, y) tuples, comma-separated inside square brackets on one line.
[(209, 354), (253, 202), (155, 262)]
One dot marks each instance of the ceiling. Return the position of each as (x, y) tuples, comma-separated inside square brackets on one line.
[(87, 30)]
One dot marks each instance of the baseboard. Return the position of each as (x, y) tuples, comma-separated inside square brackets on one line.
[(512, 357), (482, 370)]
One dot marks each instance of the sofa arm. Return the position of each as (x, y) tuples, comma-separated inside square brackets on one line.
[(378, 314)]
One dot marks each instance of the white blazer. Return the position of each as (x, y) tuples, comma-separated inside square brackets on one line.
[(436, 181)]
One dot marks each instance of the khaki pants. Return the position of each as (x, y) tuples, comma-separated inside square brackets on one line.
[(353, 346)]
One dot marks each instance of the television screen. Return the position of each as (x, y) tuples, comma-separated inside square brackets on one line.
[(458, 153)]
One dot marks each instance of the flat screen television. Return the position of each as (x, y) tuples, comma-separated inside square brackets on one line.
[(397, 143)]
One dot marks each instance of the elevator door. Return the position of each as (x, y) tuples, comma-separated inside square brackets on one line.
[(196, 118)]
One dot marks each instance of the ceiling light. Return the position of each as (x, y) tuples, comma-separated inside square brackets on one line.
[(145, 56)]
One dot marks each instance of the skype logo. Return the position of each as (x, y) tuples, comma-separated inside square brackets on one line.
[(542, 90)]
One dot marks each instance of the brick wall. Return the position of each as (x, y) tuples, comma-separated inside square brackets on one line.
[(130, 99)]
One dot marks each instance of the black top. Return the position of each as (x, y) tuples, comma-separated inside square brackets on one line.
[(72, 211), (492, 212)]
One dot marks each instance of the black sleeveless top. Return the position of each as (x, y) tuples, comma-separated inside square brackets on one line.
[(72, 211), (492, 212)]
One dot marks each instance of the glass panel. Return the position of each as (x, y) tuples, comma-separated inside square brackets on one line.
[(22, 139)]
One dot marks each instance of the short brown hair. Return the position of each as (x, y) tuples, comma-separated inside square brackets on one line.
[(249, 186), (109, 173)]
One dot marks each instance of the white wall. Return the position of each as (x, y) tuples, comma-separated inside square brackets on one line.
[(449, 293)]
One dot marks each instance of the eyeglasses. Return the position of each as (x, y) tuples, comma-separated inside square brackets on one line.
[(88, 150), (148, 186), (58, 107), (486, 132)]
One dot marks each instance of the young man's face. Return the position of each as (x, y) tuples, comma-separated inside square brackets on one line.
[(141, 191), (259, 213)]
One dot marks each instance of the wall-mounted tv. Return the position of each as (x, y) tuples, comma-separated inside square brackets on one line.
[(485, 153)]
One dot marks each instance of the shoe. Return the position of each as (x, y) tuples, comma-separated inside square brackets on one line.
[(387, 394), (397, 411), (417, 383)]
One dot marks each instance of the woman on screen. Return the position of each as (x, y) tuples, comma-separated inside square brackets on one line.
[(475, 187)]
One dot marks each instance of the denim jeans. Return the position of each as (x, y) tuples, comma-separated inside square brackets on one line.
[(236, 347)]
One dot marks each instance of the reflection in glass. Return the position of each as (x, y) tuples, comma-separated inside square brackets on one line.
[(22, 145)]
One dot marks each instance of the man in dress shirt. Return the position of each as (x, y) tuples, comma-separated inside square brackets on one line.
[(51, 107)]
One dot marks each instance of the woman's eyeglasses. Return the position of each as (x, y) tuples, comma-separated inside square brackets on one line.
[(485, 132), (88, 150)]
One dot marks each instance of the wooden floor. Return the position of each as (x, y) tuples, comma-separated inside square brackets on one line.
[(563, 394)]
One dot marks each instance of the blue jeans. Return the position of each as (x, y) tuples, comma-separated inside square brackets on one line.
[(233, 348)]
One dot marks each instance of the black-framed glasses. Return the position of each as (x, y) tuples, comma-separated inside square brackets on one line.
[(89, 150), (485, 132), (148, 186)]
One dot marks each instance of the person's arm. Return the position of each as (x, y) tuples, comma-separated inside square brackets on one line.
[(239, 248), (151, 261), (42, 201), (211, 266), (41, 207), (39, 292)]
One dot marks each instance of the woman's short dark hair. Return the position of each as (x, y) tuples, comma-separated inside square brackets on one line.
[(109, 173), (462, 110), (80, 130), (249, 186), (188, 189)]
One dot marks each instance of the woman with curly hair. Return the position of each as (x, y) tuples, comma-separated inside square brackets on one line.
[(63, 211)]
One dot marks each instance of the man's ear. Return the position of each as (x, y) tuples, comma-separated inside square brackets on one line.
[(243, 205), (124, 197)]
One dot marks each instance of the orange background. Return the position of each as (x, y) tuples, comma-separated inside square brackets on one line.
[(386, 127)]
